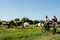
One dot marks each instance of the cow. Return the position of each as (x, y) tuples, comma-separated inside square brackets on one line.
[(25, 24), (14, 24), (39, 25)]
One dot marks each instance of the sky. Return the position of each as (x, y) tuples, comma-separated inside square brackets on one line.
[(33, 9)]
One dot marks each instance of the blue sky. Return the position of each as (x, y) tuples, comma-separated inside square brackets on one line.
[(33, 9)]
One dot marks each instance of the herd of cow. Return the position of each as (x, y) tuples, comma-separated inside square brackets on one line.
[(15, 24), (22, 24)]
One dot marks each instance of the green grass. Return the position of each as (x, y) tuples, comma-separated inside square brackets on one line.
[(29, 33)]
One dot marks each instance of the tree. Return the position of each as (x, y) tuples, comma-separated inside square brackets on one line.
[(11, 22), (25, 19), (17, 19), (35, 21), (31, 21), (41, 21), (0, 23)]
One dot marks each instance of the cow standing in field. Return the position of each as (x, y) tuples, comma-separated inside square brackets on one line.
[(14, 24), (11, 24), (19, 23), (26, 24), (39, 25), (5, 23)]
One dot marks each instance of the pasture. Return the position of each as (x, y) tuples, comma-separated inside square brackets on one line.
[(30, 33)]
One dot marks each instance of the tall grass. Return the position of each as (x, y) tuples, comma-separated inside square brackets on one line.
[(19, 33)]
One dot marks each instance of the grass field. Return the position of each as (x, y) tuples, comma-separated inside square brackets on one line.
[(29, 33)]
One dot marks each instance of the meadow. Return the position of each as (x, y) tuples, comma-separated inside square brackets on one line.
[(29, 33)]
